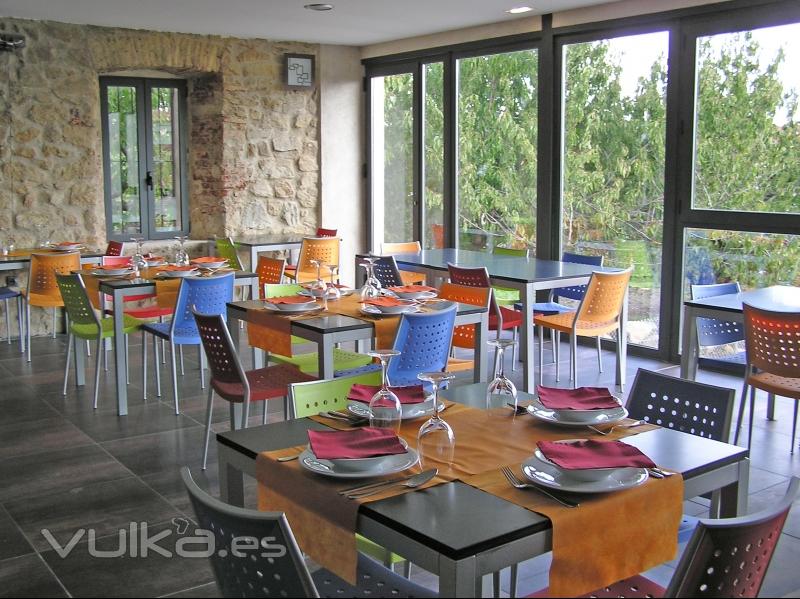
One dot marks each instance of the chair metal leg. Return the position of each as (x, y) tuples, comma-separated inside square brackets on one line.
[(794, 426), (541, 355), (174, 377), (66, 368), (407, 569), (246, 411), (19, 325), (599, 356), (99, 350), (28, 328), (209, 412), (573, 359), (514, 350), (512, 587), (54, 322), (558, 361), (264, 413), (127, 363), (88, 348), (496, 584), (144, 365), (553, 345), (202, 355), (180, 349), (156, 366), (102, 349), (752, 416), (741, 411), (8, 322)]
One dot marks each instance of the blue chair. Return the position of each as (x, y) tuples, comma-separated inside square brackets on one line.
[(712, 332), (387, 273), (6, 293), (205, 295), (424, 342)]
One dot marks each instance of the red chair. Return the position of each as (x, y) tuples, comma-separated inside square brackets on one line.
[(323, 232), (231, 382), (500, 317), (114, 248), (724, 558)]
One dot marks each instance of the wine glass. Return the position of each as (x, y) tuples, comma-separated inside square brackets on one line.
[(385, 410), (318, 287), (181, 257), (372, 286), (44, 239), (138, 261), (334, 292), (436, 441), (501, 390)]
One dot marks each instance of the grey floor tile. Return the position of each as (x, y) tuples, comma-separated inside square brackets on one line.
[(12, 542), (38, 436), (206, 590), (28, 576), (161, 452), (142, 419)]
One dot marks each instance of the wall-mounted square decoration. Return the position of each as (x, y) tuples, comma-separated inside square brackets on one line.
[(299, 70)]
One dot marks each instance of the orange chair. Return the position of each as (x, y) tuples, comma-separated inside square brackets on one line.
[(464, 335), (405, 247), (599, 313), (43, 290), (324, 249), (772, 347), (270, 272)]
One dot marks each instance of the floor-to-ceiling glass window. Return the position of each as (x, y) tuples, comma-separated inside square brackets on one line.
[(612, 163), (433, 231)]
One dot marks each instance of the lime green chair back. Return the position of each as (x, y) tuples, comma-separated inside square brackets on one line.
[(308, 399), (520, 253), (281, 289), (227, 249), (76, 301)]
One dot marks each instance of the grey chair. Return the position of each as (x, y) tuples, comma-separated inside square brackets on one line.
[(387, 273), (283, 572), (712, 332)]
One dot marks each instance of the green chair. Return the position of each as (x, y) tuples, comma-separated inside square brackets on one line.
[(308, 362), (86, 324), (311, 398), (503, 295), (227, 249)]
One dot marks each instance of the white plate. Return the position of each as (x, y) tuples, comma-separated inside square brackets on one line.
[(552, 477), (209, 265), (152, 263), (581, 418), (314, 308), (388, 465), (304, 307), (67, 248), (579, 474), (374, 311), (409, 411), (345, 291), (361, 464), (178, 274), (414, 295), (111, 272)]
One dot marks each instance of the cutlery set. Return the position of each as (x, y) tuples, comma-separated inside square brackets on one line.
[(413, 481)]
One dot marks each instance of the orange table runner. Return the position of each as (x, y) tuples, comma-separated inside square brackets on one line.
[(385, 326), (486, 440), (270, 332)]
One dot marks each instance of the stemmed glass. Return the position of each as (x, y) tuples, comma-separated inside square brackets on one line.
[(385, 410), (372, 286), (318, 287), (138, 261), (43, 238), (436, 441), (501, 390), (181, 257), (333, 289)]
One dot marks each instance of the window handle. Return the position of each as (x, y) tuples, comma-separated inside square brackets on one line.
[(148, 180)]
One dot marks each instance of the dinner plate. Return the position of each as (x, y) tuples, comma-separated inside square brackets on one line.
[(111, 272), (414, 295), (581, 418), (304, 307), (66, 248), (209, 265), (374, 311), (550, 476), (581, 474), (151, 262), (391, 464), (314, 308), (177, 274), (409, 411), (345, 291)]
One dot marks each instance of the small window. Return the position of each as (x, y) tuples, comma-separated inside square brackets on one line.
[(144, 157)]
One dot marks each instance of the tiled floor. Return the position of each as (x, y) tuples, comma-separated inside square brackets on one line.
[(65, 468)]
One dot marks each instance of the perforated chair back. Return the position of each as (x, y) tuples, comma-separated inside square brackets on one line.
[(205, 295), (683, 405), (114, 248), (116, 260), (473, 277), (226, 248), (323, 232), (269, 271), (282, 289), (387, 273), (730, 557), (323, 249), (313, 397), (42, 273), (711, 331), (218, 345), (772, 341), (275, 570), (76, 300), (400, 247), (605, 294), (576, 292), (424, 342), (464, 335)]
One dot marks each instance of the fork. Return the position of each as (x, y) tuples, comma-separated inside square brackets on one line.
[(608, 431), (517, 483)]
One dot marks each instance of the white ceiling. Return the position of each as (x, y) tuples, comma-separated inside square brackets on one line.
[(351, 22)]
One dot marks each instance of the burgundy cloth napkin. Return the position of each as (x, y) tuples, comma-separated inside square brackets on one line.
[(594, 454), (367, 442), (582, 398), (407, 395)]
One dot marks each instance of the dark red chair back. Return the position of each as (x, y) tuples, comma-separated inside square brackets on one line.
[(323, 232), (222, 359), (114, 248), (472, 277)]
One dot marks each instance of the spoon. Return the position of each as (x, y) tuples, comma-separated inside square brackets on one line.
[(412, 483)]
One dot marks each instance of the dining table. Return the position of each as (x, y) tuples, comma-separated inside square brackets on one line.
[(118, 288), (262, 242), (526, 275), (729, 308), (462, 532)]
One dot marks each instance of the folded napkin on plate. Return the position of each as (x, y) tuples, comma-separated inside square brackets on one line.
[(338, 285), (208, 259), (407, 395), (364, 442), (386, 302), (594, 454), (411, 288), (289, 299), (176, 268), (582, 398)]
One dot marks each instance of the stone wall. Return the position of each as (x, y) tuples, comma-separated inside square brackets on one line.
[(253, 162)]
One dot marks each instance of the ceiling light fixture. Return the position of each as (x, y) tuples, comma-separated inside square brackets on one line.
[(319, 7), (518, 10)]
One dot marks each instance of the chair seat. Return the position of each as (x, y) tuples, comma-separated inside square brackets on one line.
[(8, 293), (265, 383), (308, 363), (371, 367), (563, 323), (89, 331), (635, 586), (184, 335), (146, 312), (41, 300), (779, 385), (511, 319), (372, 580)]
